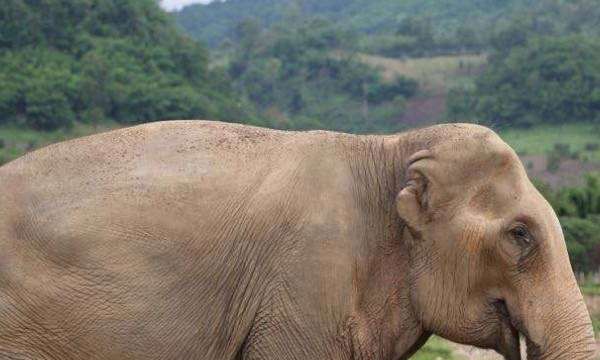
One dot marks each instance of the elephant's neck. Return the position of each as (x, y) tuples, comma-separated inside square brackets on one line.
[(385, 321), (378, 164)]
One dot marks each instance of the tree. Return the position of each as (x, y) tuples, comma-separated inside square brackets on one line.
[(82, 60), (579, 211), (549, 79), (293, 75)]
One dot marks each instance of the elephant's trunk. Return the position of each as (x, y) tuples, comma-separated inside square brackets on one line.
[(560, 328)]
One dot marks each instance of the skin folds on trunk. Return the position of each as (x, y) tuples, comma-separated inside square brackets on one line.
[(560, 328)]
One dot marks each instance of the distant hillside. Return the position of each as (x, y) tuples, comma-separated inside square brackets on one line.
[(451, 21), (67, 61), (215, 22)]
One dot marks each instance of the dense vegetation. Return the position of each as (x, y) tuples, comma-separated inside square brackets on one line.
[(543, 66), (124, 61), (538, 72), (579, 212), (79, 60), (213, 22), (296, 79), (396, 27)]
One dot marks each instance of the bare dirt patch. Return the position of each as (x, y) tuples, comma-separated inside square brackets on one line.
[(571, 172), (435, 76), (464, 352), (421, 111)]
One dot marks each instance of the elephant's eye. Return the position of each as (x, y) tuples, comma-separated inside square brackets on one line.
[(521, 234)]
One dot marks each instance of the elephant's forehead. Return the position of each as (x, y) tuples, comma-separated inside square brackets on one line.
[(500, 194), (479, 159), (483, 144)]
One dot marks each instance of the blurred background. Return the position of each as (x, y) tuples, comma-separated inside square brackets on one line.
[(530, 69)]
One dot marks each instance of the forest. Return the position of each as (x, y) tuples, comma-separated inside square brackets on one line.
[(66, 61)]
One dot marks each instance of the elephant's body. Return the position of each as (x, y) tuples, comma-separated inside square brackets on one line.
[(203, 240), (194, 240)]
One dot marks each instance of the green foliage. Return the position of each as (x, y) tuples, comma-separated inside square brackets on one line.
[(435, 349), (293, 74), (544, 67), (213, 22), (553, 162), (547, 80), (560, 152), (596, 323), (579, 212), (544, 62), (40, 88), (536, 70), (581, 202), (583, 243), (89, 61), (535, 80), (59, 24), (416, 36), (540, 139), (379, 92), (403, 27), (460, 104)]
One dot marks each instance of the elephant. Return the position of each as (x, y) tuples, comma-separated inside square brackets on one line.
[(208, 240)]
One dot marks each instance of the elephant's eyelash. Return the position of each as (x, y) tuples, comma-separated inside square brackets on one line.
[(525, 241), (520, 231), (521, 234)]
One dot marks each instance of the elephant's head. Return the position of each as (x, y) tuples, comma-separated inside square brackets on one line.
[(488, 255)]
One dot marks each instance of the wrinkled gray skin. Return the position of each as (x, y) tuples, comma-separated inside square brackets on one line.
[(203, 240)]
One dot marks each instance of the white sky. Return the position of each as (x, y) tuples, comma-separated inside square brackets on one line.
[(178, 4)]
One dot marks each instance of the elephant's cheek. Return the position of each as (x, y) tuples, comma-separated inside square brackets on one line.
[(472, 238)]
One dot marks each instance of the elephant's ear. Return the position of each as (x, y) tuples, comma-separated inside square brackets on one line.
[(413, 202)]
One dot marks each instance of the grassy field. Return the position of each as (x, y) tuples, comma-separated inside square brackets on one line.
[(591, 289), (435, 349), (581, 137)]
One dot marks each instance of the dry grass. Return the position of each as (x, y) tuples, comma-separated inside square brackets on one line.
[(434, 73)]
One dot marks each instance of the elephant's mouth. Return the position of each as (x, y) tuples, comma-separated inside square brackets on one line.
[(510, 329)]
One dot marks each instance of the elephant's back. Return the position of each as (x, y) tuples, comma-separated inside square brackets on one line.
[(127, 232), (166, 174), (132, 163), (168, 148), (152, 230), (170, 174)]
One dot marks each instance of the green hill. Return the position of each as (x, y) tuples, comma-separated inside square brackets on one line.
[(214, 22), (454, 24), (67, 61)]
